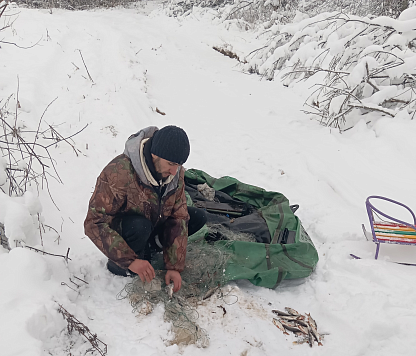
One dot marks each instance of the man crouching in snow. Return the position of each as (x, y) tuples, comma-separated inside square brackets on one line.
[(139, 206)]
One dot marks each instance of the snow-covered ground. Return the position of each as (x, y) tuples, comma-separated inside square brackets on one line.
[(238, 126)]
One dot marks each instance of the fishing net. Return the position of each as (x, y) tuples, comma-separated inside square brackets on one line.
[(219, 232), (202, 277)]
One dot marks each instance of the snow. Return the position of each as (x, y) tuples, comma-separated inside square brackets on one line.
[(408, 14), (239, 126), (19, 216), (403, 24), (383, 94)]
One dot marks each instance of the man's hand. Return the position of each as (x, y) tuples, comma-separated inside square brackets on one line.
[(144, 269), (175, 277)]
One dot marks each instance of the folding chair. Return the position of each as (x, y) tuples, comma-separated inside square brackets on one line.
[(392, 230)]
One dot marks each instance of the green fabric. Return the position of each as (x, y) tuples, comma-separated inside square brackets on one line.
[(262, 264)]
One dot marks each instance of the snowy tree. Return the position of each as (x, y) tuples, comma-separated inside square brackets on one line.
[(357, 64)]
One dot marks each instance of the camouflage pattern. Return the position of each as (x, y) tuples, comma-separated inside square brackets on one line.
[(120, 191)]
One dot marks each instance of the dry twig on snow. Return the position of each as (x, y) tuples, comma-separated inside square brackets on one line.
[(89, 76), (66, 258), (75, 324)]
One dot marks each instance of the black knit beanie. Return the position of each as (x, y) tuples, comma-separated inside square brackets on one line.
[(171, 143)]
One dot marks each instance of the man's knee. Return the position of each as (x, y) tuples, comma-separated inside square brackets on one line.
[(136, 230), (198, 219)]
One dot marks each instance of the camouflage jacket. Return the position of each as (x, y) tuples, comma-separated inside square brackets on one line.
[(123, 188)]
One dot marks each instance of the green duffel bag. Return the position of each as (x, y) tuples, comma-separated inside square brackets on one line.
[(279, 249)]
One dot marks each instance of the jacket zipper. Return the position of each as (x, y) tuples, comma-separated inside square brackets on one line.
[(160, 208), (160, 204)]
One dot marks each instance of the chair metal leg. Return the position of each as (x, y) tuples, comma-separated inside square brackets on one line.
[(377, 249)]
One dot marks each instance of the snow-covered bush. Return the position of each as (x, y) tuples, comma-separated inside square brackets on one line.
[(266, 13), (26, 165), (391, 8), (20, 208), (184, 7), (360, 64), (73, 4), (251, 12)]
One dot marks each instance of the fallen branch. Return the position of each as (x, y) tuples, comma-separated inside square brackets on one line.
[(75, 324), (21, 47), (227, 53), (64, 284), (89, 76), (47, 253), (80, 279), (160, 112)]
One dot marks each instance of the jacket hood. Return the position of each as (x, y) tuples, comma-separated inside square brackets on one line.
[(133, 149)]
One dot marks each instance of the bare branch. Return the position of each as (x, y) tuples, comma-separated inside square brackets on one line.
[(75, 324), (85, 65), (371, 108), (47, 253)]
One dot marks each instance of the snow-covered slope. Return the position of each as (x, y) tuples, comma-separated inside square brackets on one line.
[(239, 126)]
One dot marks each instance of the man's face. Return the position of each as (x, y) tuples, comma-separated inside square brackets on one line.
[(163, 167)]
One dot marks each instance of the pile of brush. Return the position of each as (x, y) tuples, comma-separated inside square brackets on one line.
[(303, 326)]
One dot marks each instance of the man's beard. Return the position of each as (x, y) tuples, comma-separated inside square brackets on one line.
[(159, 175)]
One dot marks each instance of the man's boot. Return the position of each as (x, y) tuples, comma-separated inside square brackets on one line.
[(118, 271)]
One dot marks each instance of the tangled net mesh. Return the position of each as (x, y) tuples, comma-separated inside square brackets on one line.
[(222, 233), (204, 274)]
